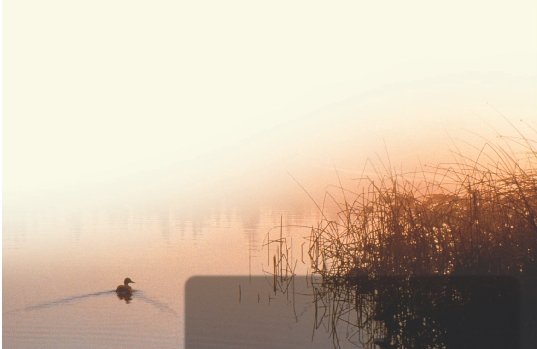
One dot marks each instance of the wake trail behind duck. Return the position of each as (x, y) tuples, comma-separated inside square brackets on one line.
[(137, 294), (62, 301), (159, 305)]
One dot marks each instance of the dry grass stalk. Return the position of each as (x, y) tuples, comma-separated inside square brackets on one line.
[(471, 217)]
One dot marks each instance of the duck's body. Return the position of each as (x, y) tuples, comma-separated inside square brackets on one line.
[(125, 288)]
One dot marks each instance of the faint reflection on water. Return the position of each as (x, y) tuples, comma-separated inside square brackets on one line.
[(243, 312), (58, 261)]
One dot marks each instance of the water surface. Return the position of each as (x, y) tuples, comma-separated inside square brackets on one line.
[(61, 265)]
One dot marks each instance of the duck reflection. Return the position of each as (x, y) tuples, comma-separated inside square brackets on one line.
[(124, 292)]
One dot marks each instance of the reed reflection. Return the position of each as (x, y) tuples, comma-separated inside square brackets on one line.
[(421, 312)]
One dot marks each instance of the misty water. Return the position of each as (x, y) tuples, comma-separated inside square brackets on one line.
[(61, 264), (202, 274)]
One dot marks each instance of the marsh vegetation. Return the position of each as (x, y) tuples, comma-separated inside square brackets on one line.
[(443, 257)]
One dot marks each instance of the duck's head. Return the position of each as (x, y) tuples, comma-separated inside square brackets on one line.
[(128, 281)]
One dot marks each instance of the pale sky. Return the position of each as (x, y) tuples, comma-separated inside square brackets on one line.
[(94, 91)]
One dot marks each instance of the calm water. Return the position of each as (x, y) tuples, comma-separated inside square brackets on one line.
[(61, 263)]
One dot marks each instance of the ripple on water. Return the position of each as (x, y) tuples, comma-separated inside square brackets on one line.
[(97, 320)]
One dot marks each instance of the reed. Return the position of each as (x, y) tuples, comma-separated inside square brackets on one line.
[(283, 265), (472, 217), (476, 216)]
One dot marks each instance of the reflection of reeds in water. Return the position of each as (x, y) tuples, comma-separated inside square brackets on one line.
[(470, 218), (283, 268)]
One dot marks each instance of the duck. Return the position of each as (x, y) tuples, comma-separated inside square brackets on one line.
[(125, 288)]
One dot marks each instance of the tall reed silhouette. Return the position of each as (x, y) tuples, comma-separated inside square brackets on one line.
[(405, 246)]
